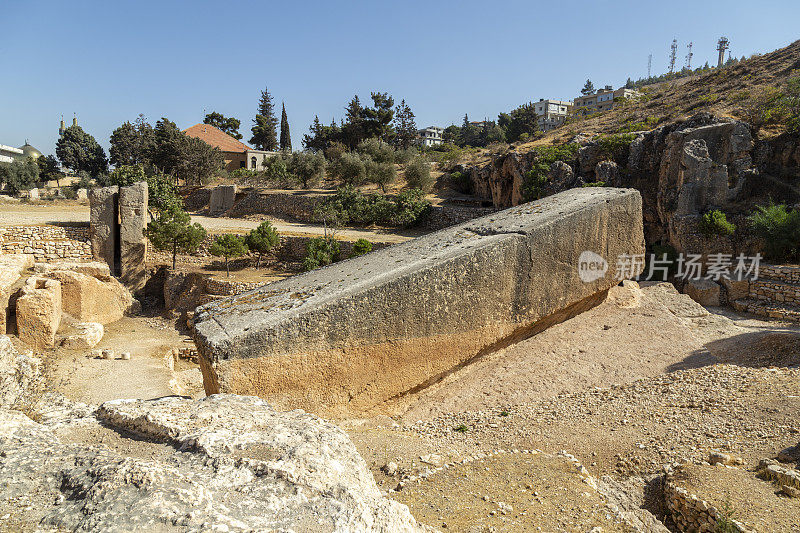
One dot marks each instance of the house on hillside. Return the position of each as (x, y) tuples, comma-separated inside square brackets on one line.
[(552, 113), (235, 152), (602, 100), (431, 136)]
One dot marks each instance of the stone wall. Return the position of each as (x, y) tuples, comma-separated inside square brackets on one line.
[(350, 336), (444, 216), (47, 243), (776, 293), (690, 513), (297, 206)]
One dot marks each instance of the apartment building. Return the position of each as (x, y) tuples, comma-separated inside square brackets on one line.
[(602, 100), (431, 136), (552, 113)]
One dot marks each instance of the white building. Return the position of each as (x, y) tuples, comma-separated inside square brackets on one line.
[(9, 154), (431, 136), (602, 100), (552, 113)]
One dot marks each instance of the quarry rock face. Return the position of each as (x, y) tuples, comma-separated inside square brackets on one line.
[(103, 223), (132, 242), (39, 312), (223, 463), (357, 333)]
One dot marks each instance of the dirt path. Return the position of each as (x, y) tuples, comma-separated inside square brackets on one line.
[(21, 214)]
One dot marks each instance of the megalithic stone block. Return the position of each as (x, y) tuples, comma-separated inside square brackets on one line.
[(222, 199), (133, 243), (39, 312), (103, 224), (345, 338)]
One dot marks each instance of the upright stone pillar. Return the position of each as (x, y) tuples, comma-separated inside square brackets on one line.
[(103, 232), (222, 199), (133, 243)]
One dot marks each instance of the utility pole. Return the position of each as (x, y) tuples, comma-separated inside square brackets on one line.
[(649, 65), (722, 45), (689, 56), (673, 55)]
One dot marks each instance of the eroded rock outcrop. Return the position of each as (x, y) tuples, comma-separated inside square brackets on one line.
[(350, 336), (224, 463)]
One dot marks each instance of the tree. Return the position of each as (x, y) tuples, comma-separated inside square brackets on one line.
[(381, 174), (404, 126), (229, 125), (265, 136), (309, 167), (588, 88), (286, 138), (49, 169), (19, 175), (629, 84), (378, 118), (418, 174), (521, 120), (361, 247), (321, 251), (132, 144), (182, 156), (173, 232), (349, 168), (230, 247), (352, 131), (78, 151), (262, 239)]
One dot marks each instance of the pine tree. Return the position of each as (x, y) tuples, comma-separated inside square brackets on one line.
[(404, 125), (265, 125), (588, 88), (353, 123), (286, 138)]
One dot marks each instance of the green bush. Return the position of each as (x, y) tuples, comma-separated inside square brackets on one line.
[(462, 182), (262, 239), (779, 227), (277, 170), (307, 167), (381, 174), (594, 184), (379, 151), (349, 205), (715, 224), (361, 247), (19, 175), (615, 147), (321, 251), (782, 106), (350, 169), (535, 179), (69, 193), (418, 174), (230, 247)]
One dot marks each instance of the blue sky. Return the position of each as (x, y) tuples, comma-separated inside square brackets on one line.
[(110, 61)]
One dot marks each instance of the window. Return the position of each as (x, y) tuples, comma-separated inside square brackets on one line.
[(253, 162), (242, 164)]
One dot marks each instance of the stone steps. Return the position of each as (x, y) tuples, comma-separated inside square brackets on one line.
[(784, 311)]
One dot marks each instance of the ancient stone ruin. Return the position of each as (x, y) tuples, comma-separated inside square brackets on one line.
[(222, 199), (360, 332), (118, 217)]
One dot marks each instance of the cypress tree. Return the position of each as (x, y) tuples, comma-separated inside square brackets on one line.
[(265, 125), (286, 138)]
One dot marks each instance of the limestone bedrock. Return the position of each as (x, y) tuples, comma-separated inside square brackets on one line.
[(345, 338)]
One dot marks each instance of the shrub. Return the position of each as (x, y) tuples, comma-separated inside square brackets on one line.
[(402, 157), (462, 182), (381, 174), (19, 175), (350, 169), (715, 223), (779, 228), (535, 179), (69, 193), (361, 247), (594, 184), (783, 105), (418, 174), (277, 170), (321, 251), (262, 239), (411, 206), (615, 147), (307, 167), (228, 246), (525, 137), (379, 151), (335, 151), (350, 205)]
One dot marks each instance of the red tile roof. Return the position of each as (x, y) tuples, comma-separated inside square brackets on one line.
[(216, 137)]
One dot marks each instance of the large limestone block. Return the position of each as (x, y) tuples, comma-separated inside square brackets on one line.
[(133, 243), (39, 312), (12, 266), (352, 335), (89, 299), (222, 199), (97, 269), (703, 291), (87, 336), (103, 223)]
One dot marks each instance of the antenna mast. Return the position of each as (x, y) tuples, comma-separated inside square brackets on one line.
[(689, 56), (722, 45), (673, 55), (649, 65)]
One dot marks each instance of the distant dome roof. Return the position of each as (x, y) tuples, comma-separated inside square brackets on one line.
[(30, 151)]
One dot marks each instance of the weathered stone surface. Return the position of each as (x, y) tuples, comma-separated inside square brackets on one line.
[(703, 291), (607, 172), (90, 299), (359, 332), (103, 223), (133, 243), (736, 289), (12, 267), (39, 312), (87, 336), (16, 372), (561, 178), (222, 199), (96, 269), (83, 194), (224, 463)]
